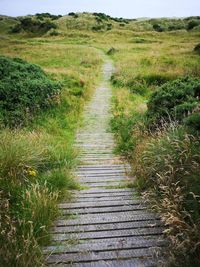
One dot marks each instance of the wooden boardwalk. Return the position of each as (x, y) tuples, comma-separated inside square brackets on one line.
[(105, 225)]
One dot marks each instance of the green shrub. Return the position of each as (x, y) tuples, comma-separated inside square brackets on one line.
[(25, 89), (155, 79), (192, 24), (174, 101), (158, 28), (43, 16), (111, 51), (193, 122), (35, 26), (72, 14), (197, 49), (97, 28), (109, 26), (102, 16)]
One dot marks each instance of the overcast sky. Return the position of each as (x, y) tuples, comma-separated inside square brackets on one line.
[(116, 8)]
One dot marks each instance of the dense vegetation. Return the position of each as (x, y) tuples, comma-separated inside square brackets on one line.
[(33, 25), (25, 90), (155, 119), (174, 102)]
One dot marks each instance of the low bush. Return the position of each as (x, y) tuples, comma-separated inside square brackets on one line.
[(25, 89), (193, 123), (98, 27), (72, 14), (197, 49), (158, 28), (192, 23), (109, 26), (34, 26), (174, 101), (43, 16), (111, 51)]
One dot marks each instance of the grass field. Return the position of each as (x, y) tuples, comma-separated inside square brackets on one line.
[(36, 159)]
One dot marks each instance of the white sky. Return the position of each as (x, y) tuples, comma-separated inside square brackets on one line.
[(116, 8)]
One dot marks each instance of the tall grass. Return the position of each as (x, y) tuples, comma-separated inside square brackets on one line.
[(168, 167), (165, 162)]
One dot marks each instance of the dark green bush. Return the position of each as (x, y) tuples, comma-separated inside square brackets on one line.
[(158, 28), (174, 101), (109, 26), (197, 49), (24, 90), (111, 51), (192, 24), (193, 122), (102, 16), (34, 26), (156, 79), (43, 16), (72, 14), (97, 28)]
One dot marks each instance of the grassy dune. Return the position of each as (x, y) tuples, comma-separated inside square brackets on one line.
[(36, 159)]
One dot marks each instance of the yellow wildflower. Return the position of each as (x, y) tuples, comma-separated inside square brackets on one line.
[(32, 173)]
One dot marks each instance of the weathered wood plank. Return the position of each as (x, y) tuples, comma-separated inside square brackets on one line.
[(108, 218), (108, 226), (103, 184), (112, 263), (102, 179), (103, 198), (104, 190), (100, 204), (104, 255), (108, 234), (107, 244), (100, 210), (98, 172), (104, 167)]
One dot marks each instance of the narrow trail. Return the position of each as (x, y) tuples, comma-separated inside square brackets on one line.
[(104, 225)]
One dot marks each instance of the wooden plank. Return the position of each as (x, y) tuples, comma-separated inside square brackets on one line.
[(104, 198), (98, 172), (102, 194), (103, 190), (147, 262), (98, 204), (108, 218), (108, 226), (106, 244), (102, 255), (102, 184), (111, 263), (101, 179), (104, 175), (100, 210), (108, 234), (104, 167)]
